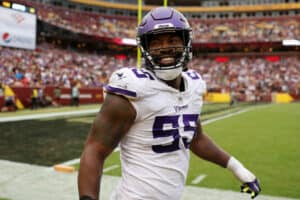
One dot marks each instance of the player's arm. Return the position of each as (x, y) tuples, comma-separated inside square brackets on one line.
[(110, 125), (205, 148)]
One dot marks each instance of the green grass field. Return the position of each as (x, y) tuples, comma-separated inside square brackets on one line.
[(265, 139)]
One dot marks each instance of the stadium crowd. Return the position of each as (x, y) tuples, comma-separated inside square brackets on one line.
[(246, 30), (213, 30), (94, 24), (267, 29), (50, 65), (250, 78)]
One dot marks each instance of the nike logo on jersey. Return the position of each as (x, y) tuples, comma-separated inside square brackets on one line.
[(180, 108)]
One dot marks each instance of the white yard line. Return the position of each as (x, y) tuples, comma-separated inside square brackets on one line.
[(110, 168), (227, 116), (198, 179), (48, 115), (71, 162)]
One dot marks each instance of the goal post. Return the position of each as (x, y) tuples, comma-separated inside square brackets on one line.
[(139, 19)]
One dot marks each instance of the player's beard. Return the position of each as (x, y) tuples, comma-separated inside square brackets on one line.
[(168, 60)]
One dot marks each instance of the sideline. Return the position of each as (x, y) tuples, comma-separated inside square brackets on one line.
[(21, 181), (96, 110), (48, 184), (49, 115)]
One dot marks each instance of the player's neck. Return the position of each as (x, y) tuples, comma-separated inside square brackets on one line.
[(177, 83)]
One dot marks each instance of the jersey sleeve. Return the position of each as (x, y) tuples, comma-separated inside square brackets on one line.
[(122, 82)]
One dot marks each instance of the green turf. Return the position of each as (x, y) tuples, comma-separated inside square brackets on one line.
[(265, 140), (43, 142), (209, 111), (51, 141)]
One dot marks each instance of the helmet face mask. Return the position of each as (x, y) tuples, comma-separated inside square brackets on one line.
[(172, 52), (165, 21)]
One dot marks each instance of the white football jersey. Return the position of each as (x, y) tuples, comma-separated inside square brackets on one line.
[(155, 151)]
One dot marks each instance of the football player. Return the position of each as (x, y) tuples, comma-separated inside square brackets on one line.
[(153, 113)]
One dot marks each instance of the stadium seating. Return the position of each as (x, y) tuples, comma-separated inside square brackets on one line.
[(250, 77), (234, 30), (49, 65)]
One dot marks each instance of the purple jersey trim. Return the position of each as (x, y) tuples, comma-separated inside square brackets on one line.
[(120, 91)]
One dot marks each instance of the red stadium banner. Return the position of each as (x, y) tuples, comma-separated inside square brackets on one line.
[(121, 57), (222, 59), (273, 58)]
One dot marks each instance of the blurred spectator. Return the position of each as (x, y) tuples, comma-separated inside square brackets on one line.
[(9, 99), (34, 98), (57, 93), (75, 95), (41, 98)]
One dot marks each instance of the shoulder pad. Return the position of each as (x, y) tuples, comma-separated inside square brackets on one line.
[(195, 81), (128, 82), (120, 83)]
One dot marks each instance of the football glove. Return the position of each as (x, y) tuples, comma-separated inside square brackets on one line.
[(253, 188)]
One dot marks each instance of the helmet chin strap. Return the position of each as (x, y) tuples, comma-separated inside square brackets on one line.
[(168, 75)]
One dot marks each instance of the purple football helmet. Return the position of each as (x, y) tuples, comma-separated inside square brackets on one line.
[(163, 20)]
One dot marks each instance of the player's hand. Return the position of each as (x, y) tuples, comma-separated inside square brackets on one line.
[(253, 188)]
